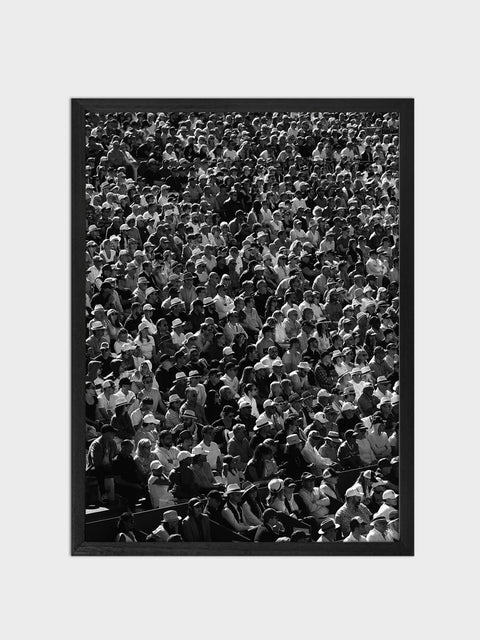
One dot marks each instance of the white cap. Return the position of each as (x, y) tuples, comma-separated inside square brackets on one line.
[(389, 495), (227, 351), (150, 419), (183, 455), (259, 366), (353, 493)]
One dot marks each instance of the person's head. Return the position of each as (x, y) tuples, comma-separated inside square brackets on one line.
[(165, 439), (390, 498), (270, 518), (353, 496), (108, 433), (328, 529), (308, 480), (380, 523), (126, 448), (215, 499), (234, 493)]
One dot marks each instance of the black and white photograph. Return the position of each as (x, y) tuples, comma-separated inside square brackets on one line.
[(241, 327)]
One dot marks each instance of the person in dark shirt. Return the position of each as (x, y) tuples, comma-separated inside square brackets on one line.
[(126, 475), (182, 481)]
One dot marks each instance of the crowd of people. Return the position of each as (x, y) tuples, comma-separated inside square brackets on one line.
[(242, 323)]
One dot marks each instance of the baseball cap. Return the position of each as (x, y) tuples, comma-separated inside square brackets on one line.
[(389, 495)]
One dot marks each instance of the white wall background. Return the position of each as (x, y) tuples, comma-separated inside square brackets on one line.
[(53, 51)]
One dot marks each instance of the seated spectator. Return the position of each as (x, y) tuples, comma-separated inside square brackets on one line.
[(252, 507), (230, 472), (182, 479), (348, 453), (315, 501), (271, 528), (328, 530), (169, 526), (143, 458), (389, 505), (100, 457), (232, 511), (158, 484), (128, 481), (355, 534), (196, 525), (365, 451), (202, 472), (125, 528), (352, 508), (378, 529), (255, 471)]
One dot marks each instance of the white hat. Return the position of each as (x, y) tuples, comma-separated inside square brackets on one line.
[(348, 406), (385, 400), (395, 398), (143, 325), (293, 439), (148, 307), (320, 416), (148, 292), (233, 488), (259, 366), (353, 493), (177, 323), (150, 419), (97, 325), (277, 363), (389, 495), (245, 403), (268, 403), (260, 422), (227, 351), (304, 365), (183, 455), (275, 484), (174, 398), (323, 393), (175, 301), (155, 464)]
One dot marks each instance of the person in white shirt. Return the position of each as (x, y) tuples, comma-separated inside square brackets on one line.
[(389, 505), (393, 534), (211, 449), (355, 534), (223, 303), (147, 318), (312, 456), (158, 483), (365, 450), (356, 382), (379, 526), (382, 391), (166, 452), (230, 377), (177, 335)]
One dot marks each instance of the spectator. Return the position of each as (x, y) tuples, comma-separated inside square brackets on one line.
[(328, 530), (352, 508), (355, 534), (158, 484), (315, 501), (378, 529), (196, 525)]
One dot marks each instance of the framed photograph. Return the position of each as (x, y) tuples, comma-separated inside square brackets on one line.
[(242, 327)]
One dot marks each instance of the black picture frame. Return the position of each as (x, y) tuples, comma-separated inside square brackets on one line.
[(405, 108)]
